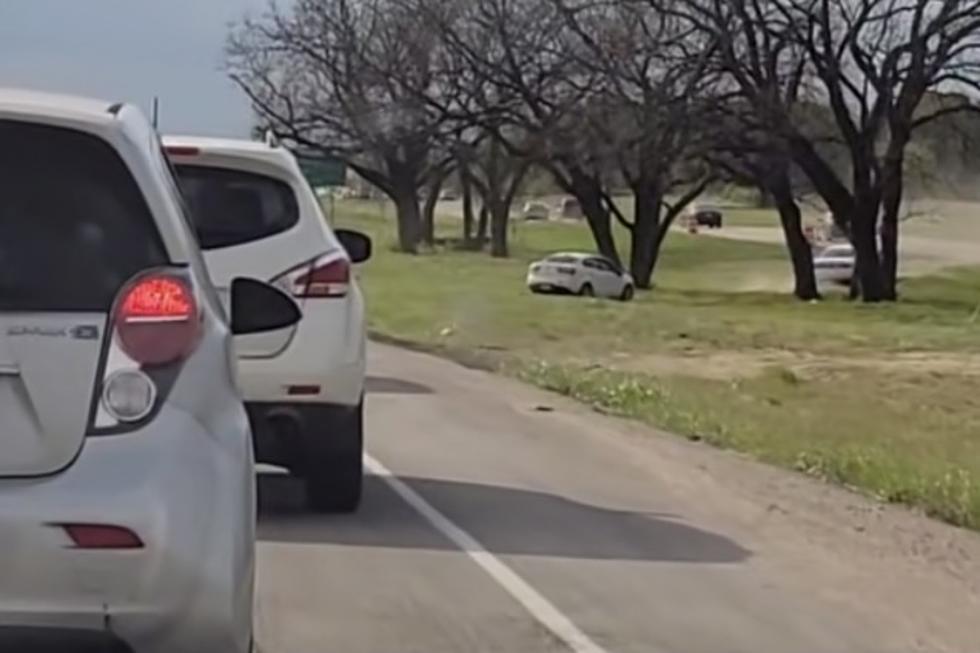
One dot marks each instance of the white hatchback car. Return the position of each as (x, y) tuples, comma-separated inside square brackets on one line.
[(127, 484), (256, 215), (580, 274)]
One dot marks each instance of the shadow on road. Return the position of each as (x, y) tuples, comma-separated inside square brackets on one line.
[(507, 521), (390, 386)]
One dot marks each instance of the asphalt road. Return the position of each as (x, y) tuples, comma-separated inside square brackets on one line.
[(502, 519)]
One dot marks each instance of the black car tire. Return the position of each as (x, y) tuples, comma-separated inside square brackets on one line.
[(335, 476), (587, 290), (628, 293)]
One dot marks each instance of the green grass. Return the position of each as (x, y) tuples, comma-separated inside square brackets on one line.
[(907, 439), (869, 396)]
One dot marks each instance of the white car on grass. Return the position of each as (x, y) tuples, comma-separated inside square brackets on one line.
[(536, 211), (127, 483), (576, 273), (256, 215), (835, 264)]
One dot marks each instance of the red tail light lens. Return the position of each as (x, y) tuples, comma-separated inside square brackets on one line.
[(94, 536), (327, 276), (157, 320)]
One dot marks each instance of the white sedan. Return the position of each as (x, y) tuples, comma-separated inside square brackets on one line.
[(835, 264), (580, 274)]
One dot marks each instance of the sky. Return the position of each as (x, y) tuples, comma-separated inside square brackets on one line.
[(131, 50)]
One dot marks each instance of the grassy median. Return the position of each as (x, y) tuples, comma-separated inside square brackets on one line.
[(883, 398)]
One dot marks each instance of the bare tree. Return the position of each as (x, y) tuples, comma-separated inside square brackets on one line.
[(871, 62), (651, 84), (345, 77), (748, 154), (519, 83), (432, 190), (496, 174)]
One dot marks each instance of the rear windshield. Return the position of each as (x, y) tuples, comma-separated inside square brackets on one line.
[(231, 207), (74, 226)]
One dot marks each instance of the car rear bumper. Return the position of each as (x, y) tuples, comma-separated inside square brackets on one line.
[(833, 275), (296, 377), (547, 283), (60, 640), (188, 494)]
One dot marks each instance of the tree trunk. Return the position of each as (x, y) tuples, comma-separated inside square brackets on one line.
[(864, 223), (644, 245), (467, 192), (587, 190), (854, 290), (429, 209), (825, 181), (409, 221), (800, 249), (428, 235), (482, 226), (499, 214), (765, 199), (892, 192), (600, 224), (889, 259)]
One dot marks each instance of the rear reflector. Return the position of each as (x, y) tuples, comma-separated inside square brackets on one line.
[(129, 395), (157, 320), (94, 536), (182, 150), (327, 276), (303, 390)]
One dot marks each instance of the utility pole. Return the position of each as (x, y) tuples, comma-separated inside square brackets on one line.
[(156, 113)]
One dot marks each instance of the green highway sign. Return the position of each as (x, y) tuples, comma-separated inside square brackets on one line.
[(323, 171)]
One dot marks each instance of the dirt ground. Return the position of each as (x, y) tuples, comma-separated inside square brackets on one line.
[(729, 365), (914, 578), (937, 235)]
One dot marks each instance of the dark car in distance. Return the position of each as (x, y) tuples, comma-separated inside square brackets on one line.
[(705, 216)]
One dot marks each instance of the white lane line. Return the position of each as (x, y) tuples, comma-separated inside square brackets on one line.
[(543, 611)]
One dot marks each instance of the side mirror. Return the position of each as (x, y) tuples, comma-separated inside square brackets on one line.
[(257, 307), (358, 245)]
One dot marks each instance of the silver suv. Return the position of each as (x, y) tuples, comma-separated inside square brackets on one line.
[(127, 489)]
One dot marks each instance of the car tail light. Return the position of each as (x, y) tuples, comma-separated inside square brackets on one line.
[(157, 319), (326, 276), (95, 536), (535, 268)]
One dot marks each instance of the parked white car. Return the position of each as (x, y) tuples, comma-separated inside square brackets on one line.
[(256, 215), (127, 482), (576, 273), (835, 264), (536, 211)]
